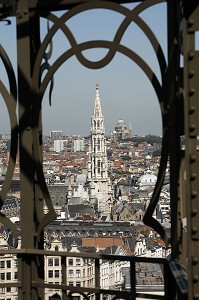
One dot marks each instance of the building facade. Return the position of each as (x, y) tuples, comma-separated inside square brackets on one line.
[(58, 145), (78, 145)]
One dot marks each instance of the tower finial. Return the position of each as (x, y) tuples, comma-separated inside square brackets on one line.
[(97, 85)]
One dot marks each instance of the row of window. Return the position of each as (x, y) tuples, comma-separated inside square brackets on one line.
[(7, 264), (8, 290), (7, 276), (90, 283), (57, 262), (57, 273)]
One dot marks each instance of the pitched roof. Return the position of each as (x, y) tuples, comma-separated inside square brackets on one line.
[(80, 209)]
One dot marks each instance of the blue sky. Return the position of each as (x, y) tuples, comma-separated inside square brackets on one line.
[(124, 89)]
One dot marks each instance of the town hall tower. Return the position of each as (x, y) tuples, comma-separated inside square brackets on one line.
[(98, 166)]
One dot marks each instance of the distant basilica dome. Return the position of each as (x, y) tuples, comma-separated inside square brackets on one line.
[(121, 131), (120, 122)]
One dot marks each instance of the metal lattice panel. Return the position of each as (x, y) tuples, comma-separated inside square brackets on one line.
[(174, 95)]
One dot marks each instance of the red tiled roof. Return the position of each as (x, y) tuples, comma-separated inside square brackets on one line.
[(102, 242)]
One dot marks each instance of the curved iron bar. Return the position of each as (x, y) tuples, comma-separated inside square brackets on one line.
[(10, 99), (51, 215), (70, 295), (131, 15), (46, 65), (104, 44), (77, 51), (8, 22), (148, 217)]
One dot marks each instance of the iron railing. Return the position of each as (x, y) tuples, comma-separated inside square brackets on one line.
[(177, 92), (163, 290)]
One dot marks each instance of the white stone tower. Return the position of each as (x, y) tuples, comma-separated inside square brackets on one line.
[(98, 165)]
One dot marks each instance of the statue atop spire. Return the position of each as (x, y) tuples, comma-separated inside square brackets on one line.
[(97, 112)]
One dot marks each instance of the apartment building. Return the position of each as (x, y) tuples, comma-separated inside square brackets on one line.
[(8, 272)]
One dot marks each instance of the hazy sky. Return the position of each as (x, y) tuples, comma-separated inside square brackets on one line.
[(124, 89)]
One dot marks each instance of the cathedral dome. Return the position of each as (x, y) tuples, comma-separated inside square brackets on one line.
[(148, 179)]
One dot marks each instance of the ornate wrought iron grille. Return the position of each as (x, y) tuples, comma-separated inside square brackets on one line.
[(177, 94)]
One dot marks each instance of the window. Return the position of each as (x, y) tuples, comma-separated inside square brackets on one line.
[(70, 262), (78, 283), (8, 264), (56, 261), (98, 166), (15, 275), (56, 273), (78, 262), (70, 273), (78, 273), (8, 276), (50, 273), (2, 276), (56, 248), (50, 262), (8, 289), (70, 283), (2, 264)]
